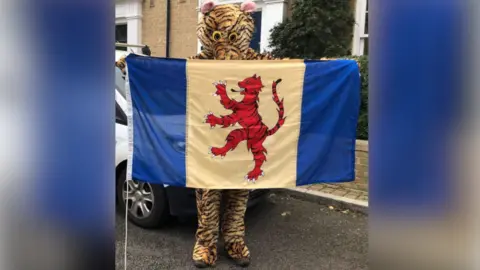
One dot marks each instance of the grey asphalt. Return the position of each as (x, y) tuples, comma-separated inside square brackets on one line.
[(282, 233)]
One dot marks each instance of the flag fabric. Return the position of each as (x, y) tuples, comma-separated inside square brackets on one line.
[(241, 124)]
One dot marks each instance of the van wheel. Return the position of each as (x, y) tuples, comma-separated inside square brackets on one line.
[(147, 203)]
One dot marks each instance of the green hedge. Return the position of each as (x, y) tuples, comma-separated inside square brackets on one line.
[(315, 29)]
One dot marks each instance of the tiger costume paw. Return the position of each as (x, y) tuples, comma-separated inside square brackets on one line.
[(238, 252), (203, 256)]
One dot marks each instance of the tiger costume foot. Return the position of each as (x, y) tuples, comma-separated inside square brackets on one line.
[(238, 253), (204, 257), (201, 264)]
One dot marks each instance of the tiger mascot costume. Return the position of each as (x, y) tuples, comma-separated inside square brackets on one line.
[(225, 32)]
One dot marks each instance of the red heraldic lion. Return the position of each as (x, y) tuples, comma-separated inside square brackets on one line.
[(245, 113)]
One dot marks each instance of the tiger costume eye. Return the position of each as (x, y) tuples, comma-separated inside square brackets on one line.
[(233, 36), (216, 35)]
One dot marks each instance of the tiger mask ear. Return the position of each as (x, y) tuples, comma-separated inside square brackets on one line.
[(248, 6), (207, 6)]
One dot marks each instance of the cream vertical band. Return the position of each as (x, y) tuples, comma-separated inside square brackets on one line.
[(228, 173)]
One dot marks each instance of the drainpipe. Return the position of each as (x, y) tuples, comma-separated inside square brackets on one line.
[(167, 38)]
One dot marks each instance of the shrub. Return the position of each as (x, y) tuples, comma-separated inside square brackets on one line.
[(317, 28)]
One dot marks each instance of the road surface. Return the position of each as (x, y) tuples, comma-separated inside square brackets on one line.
[(282, 233)]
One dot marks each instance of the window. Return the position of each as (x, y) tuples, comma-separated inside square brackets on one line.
[(121, 36), (257, 33), (360, 37)]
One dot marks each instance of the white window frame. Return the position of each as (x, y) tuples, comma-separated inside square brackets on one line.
[(359, 36), (129, 12)]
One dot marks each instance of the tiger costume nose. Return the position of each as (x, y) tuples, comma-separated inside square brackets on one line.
[(232, 55), (227, 56), (226, 52)]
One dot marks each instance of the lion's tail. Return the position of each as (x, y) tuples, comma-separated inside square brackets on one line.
[(280, 110)]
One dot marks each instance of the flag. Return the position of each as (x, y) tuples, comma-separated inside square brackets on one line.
[(241, 124)]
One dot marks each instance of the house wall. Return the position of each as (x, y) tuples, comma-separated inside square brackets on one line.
[(184, 25), (154, 25), (183, 21)]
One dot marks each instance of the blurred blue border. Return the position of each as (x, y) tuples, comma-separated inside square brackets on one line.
[(75, 45), (416, 49)]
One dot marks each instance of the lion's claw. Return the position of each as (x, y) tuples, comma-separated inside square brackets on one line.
[(254, 175), (214, 151), (221, 88), (210, 119)]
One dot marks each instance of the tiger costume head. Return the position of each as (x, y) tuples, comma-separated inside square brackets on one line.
[(121, 64), (225, 31)]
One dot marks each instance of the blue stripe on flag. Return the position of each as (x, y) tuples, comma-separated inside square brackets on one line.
[(326, 146), (158, 91)]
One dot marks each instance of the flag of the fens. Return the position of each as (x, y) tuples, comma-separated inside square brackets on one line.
[(242, 124)]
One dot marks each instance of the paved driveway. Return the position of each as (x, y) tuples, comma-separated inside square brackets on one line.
[(282, 233)]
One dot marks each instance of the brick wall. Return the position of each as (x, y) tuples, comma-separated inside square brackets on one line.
[(357, 189), (361, 168), (183, 28), (153, 26), (183, 22)]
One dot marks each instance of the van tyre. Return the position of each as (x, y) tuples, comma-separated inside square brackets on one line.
[(148, 204)]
